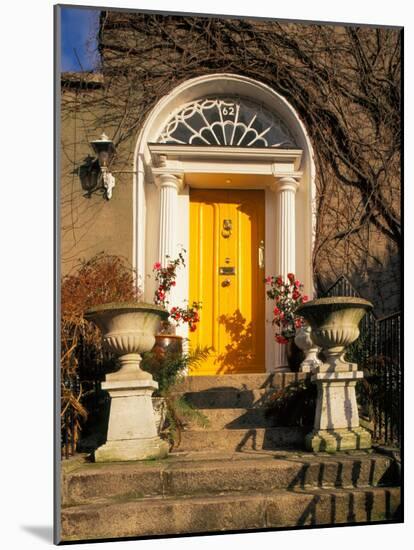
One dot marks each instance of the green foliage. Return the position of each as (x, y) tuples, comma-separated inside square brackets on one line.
[(179, 413), (169, 369)]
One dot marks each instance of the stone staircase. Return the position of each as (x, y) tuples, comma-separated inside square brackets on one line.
[(239, 473), (235, 407)]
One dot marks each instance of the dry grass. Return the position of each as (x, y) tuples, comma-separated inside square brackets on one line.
[(102, 279)]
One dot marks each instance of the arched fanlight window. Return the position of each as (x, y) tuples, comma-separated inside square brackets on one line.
[(231, 121)]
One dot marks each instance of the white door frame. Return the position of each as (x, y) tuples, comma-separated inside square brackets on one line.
[(175, 168)]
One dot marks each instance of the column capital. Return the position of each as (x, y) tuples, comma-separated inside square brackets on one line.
[(285, 183), (168, 179), (168, 173)]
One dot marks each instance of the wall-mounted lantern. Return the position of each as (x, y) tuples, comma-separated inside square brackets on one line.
[(95, 174)]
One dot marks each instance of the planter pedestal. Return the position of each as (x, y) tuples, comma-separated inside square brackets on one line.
[(334, 322), (336, 426), (331, 441), (132, 434), (128, 330)]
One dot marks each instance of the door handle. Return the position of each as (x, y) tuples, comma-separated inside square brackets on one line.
[(226, 282), (261, 255)]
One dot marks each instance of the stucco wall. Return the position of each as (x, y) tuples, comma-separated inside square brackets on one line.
[(91, 225)]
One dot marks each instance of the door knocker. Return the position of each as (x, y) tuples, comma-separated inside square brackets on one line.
[(227, 227)]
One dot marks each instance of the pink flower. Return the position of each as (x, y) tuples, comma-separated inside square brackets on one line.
[(276, 311), (172, 283), (268, 280), (297, 284), (156, 266), (298, 323), (305, 298)]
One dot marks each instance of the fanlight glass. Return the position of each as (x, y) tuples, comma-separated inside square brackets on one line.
[(226, 121)]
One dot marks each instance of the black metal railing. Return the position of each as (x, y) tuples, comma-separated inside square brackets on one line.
[(378, 352), (70, 386), (81, 389), (388, 370)]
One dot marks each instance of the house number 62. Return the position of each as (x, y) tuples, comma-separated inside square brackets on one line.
[(228, 110)]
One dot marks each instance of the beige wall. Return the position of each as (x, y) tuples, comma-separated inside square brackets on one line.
[(91, 225)]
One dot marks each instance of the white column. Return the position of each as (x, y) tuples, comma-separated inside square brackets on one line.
[(285, 229), (285, 244), (170, 186)]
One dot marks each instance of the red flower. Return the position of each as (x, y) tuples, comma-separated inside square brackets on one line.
[(281, 339), (268, 280), (276, 311), (297, 284), (156, 266), (298, 323), (291, 276), (305, 298), (295, 294), (172, 283), (193, 328), (279, 281)]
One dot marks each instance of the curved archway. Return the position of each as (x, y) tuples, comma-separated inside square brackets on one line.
[(267, 163)]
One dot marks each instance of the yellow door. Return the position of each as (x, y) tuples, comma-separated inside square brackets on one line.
[(227, 276)]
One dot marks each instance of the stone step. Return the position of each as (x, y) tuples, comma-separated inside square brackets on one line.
[(227, 398), (219, 419), (240, 382), (136, 517), (193, 474), (242, 439)]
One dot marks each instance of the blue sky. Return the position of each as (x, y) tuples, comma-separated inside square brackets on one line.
[(79, 28)]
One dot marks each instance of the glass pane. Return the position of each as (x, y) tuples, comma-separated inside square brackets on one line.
[(226, 121)]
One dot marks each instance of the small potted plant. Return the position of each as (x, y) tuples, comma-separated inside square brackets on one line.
[(287, 296), (165, 277)]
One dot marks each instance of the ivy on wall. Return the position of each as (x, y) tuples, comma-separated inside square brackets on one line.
[(343, 81)]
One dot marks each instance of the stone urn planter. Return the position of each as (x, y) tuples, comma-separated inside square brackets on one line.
[(303, 340), (128, 330), (334, 326)]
